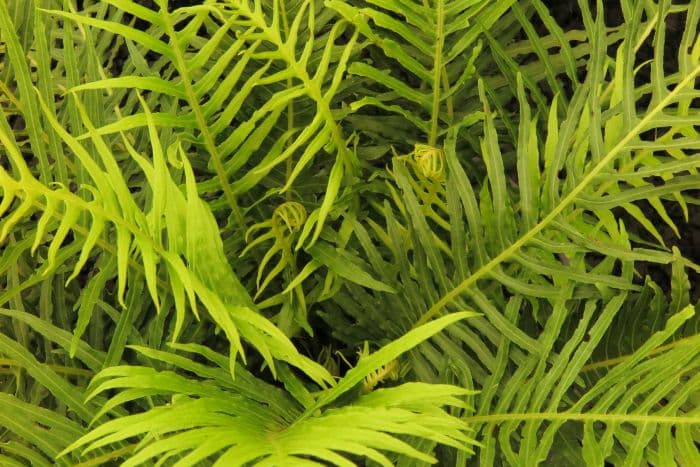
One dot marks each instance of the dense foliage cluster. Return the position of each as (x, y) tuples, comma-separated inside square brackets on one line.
[(349, 232)]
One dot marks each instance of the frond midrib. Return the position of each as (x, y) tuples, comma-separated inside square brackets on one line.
[(561, 205)]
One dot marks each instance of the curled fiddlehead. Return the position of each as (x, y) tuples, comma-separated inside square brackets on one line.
[(429, 162), (285, 222), (427, 179)]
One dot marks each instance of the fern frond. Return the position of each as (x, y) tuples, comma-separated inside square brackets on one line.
[(246, 52), (430, 42), (523, 244), (206, 276), (43, 428), (452, 155), (247, 421)]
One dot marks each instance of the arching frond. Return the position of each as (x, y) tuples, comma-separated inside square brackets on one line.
[(216, 76), (188, 247), (370, 172), (248, 422), (531, 250)]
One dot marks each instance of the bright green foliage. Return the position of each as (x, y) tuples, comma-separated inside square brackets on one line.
[(351, 232), (254, 422)]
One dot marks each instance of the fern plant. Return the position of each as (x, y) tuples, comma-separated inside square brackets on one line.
[(351, 232)]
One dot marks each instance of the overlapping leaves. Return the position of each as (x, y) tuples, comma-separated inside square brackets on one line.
[(538, 219), (175, 228), (526, 253), (248, 422), (252, 45)]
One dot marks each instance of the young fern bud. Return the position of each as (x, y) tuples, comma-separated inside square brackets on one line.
[(286, 220), (429, 162), (389, 371), (292, 214)]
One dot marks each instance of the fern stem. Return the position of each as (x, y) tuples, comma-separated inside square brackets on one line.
[(66, 370), (450, 103), (110, 455), (209, 142), (566, 201), (437, 71), (583, 417), (614, 361), (290, 107), (313, 89)]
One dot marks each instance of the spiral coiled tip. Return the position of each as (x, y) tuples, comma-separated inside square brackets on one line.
[(430, 161), (290, 214)]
